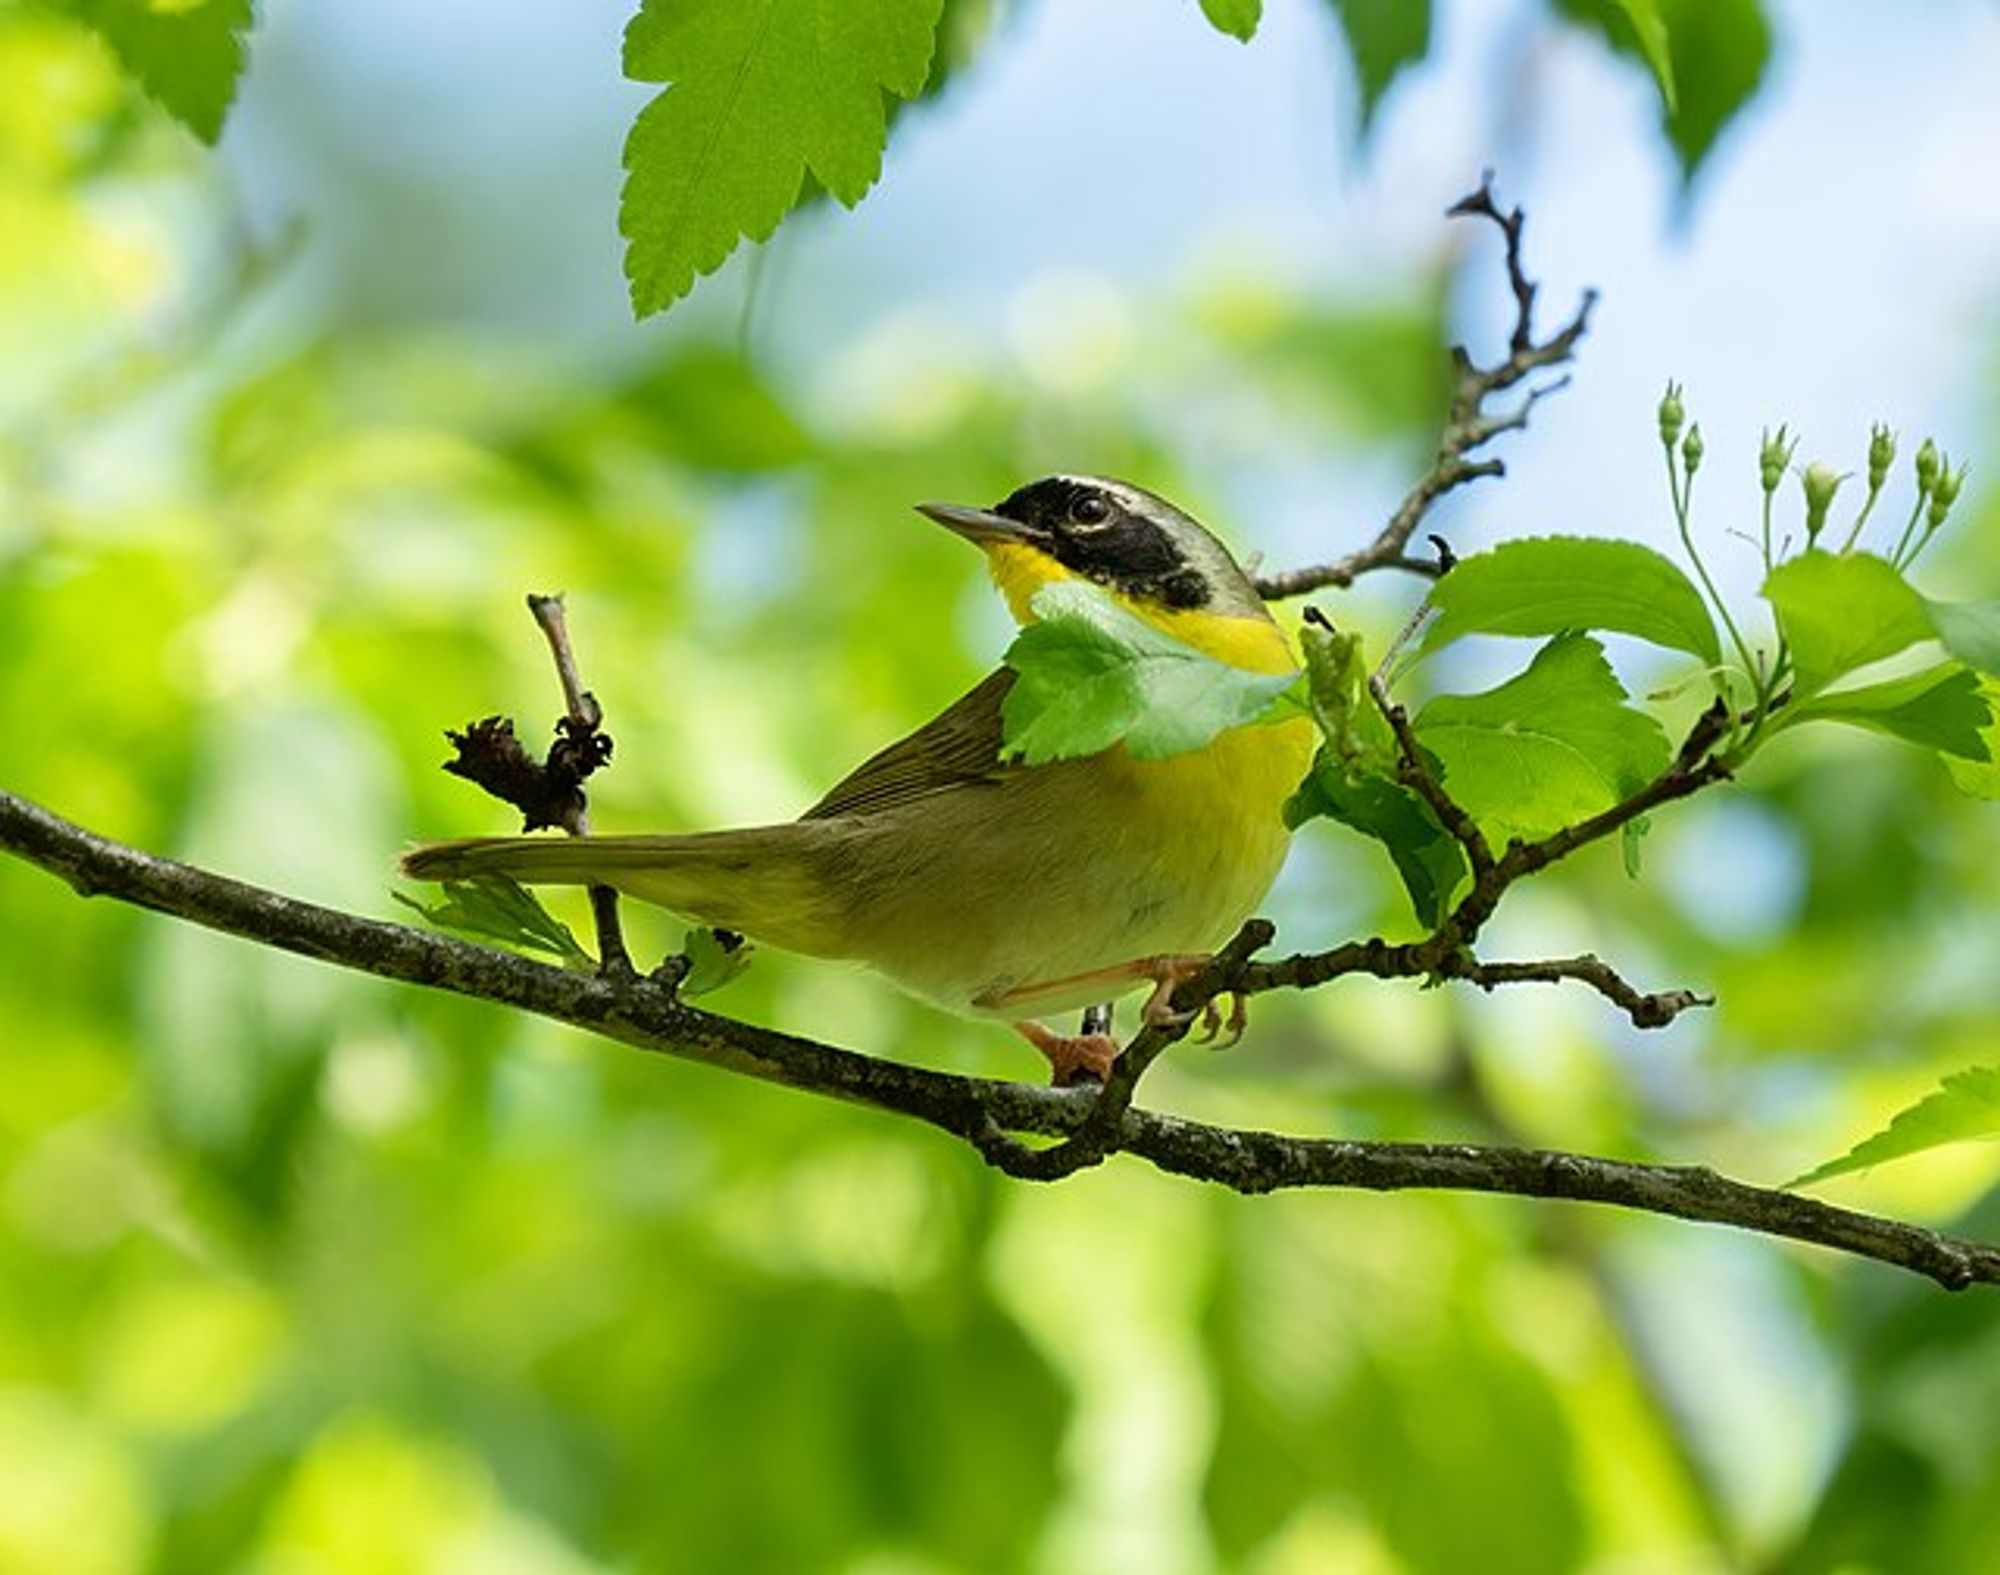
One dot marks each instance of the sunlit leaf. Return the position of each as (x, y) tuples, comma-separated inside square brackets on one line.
[(187, 57), (1090, 675), (1970, 631), (760, 92), (1840, 612), (1720, 51), (1551, 746), (1966, 1105), (1237, 18), (1383, 37), (1716, 53), (1981, 778), (1942, 708), (499, 908), (714, 958), (1548, 584), (1337, 695), (1649, 30)]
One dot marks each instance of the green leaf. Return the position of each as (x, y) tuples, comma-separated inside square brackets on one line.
[(1942, 708), (714, 958), (762, 91), (1632, 844), (1089, 675), (1353, 777), (1970, 631), (1981, 778), (1383, 36), (500, 908), (186, 57), (1427, 857), (1966, 1105), (1721, 50), (1548, 584), (1551, 746), (1337, 696), (1716, 56), (1649, 32), (1237, 18), (1842, 612)]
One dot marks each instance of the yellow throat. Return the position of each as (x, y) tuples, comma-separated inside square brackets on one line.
[(1256, 645)]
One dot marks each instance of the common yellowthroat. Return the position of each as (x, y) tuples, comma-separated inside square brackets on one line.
[(1001, 889)]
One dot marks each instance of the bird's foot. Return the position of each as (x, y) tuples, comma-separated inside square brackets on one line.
[(1220, 1032), (1073, 1058), (1168, 974)]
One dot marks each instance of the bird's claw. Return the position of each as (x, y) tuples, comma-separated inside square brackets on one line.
[(1169, 974), (1211, 1023), (1236, 1022)]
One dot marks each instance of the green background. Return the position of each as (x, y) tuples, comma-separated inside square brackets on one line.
[(302, 1273)]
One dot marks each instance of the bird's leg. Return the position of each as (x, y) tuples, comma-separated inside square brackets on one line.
[(1116, 979), (1090, 1053), (1168, 975), (1073, 1058)]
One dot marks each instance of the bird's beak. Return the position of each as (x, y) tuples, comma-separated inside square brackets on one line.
[(982, 527)]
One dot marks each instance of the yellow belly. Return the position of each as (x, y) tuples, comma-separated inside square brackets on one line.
[(1067, 869)]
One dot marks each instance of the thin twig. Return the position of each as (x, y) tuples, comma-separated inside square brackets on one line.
[(1416, 774), (1468, 426), (1646, 1009), (1446, 953), (584, 716), (636, 1012)]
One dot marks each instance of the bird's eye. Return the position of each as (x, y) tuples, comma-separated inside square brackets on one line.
[(1089, 509)]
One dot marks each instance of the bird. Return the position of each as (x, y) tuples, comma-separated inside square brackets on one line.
[(992, 887)]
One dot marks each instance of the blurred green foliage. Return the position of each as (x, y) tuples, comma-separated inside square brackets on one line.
[(299, 1272)]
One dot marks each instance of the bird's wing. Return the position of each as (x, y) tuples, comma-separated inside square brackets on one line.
[(960, 747)]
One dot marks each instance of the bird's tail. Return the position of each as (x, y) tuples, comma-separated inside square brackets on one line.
[(762, 882)]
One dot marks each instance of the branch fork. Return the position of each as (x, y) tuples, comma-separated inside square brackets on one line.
[(1469, 425)]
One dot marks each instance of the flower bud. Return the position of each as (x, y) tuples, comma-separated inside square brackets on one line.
[(1881, 455), (1671, 415), (1948, 484), (1773, 457), (1944, 491), (1692, 449), (1820, 483), (1928, 464)]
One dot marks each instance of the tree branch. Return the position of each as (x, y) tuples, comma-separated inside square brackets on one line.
[(638, 1012), (1468, 424), (1446, 953)]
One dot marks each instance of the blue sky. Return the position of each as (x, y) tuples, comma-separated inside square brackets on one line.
[(1838, 263)]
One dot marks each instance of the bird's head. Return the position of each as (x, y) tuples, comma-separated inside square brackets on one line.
[(1147, 553)]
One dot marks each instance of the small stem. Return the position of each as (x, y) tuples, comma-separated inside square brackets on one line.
[(1909, 526), (551, 619), (1861, 519), (585, 712), (1416, 775), (1682, 501)]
